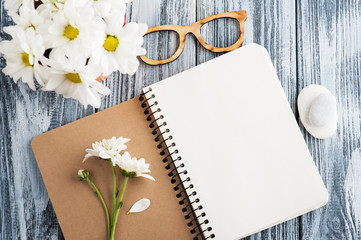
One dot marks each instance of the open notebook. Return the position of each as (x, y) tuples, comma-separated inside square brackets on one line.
[(236, 147)]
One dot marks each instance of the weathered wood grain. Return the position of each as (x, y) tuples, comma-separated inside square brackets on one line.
[(309, 42), (25, 209), (329, 47)]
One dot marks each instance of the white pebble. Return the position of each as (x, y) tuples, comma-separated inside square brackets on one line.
[(318, 111), (322, 110)]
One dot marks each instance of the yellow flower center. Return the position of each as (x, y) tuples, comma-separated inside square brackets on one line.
[(74, 77), (25, 58), (71, 32), (111, 43)]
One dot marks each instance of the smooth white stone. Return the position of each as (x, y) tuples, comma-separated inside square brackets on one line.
[(322, 110), (318, 111)]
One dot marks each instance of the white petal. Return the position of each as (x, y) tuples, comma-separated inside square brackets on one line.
[(142, 28), (88, 155), (28, 77), (25, 47), (140, 206), (103, 154), (54, 83), (146, 176)]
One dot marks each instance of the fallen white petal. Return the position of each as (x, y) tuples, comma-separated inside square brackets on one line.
[(140, 206)]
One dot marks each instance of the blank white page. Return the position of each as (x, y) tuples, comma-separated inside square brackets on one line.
[(240, 143)]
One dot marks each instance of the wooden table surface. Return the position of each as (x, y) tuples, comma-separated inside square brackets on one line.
[(310, 42)]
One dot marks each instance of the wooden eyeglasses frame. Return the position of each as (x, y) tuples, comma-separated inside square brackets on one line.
[(195, 29)]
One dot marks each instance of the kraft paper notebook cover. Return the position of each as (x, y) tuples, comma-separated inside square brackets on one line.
[(234, 139)]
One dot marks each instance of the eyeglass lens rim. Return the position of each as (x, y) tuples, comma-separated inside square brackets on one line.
[(195, 29)]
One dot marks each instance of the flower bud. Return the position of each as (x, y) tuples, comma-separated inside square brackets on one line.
[(83, 175)]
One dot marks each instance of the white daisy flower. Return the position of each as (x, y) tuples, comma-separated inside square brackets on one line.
[(107, 148), (132, 167), (71, 28), (22, 55), (28, 17), (120, 46), (69, 75)]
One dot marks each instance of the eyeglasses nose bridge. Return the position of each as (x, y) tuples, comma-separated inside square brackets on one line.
[(195, 29)]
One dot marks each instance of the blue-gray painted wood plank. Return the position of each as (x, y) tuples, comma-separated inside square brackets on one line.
[(309, 42), (329, 48)]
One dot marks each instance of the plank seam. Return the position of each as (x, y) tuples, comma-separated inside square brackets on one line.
[(300, 231)]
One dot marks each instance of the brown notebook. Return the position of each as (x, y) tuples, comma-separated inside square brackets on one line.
[(235, 144), (59, 154)]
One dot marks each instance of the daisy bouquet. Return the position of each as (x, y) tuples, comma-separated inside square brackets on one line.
[(113, 151), (67, 46)]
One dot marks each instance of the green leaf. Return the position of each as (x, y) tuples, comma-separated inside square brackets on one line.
[(120, 204), (117, 193)]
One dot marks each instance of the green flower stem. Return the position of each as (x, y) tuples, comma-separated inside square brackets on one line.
[(118, 208), (114, 193), (102, 200)]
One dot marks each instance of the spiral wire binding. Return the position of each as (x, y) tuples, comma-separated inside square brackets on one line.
[(191, 208)]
